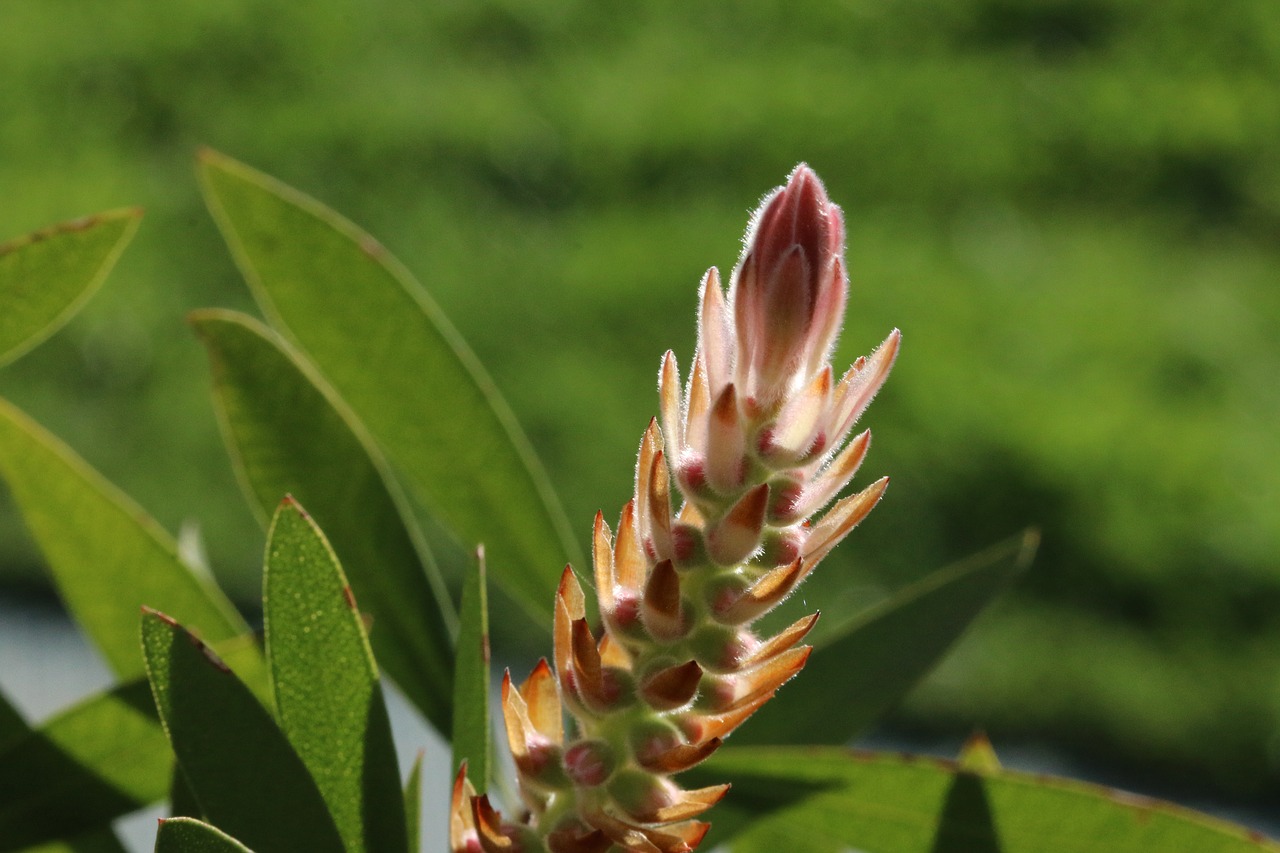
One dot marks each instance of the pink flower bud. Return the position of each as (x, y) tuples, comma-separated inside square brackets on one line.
[(788, 290), (589, 762)]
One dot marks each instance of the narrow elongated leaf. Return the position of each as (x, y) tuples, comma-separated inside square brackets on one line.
[(182, 801), (326, 685), (389, 352), (187, 835), (41, 759), (289, 434), (243, 772), (869, 801), (12, 726), (106, 555), (102, 758), (863, 671), (413, 805), (472, 738), (45, 277)]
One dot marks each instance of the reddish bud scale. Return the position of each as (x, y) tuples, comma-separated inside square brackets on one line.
[(780, 547), (723, 590), (624, 618), (542, 768), (756, 443), (589, 763), (721, 648), (785, 493), (686, 543)]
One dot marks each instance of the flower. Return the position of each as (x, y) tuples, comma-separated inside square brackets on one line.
[(756, 444)]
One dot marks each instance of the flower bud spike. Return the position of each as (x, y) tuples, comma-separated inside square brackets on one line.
[(602, 562), (754, 440), (629, 563), (858, 386), (763, 595), (680, 758), (832, 480), (669, 405), (781, 642), (726, 443), (543, 703), (840, 519), (672, 687), (660, 609), (713, 332), (696, 405), (735, 536)]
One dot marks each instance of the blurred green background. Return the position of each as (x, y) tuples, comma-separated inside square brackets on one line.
[(1070, 207)]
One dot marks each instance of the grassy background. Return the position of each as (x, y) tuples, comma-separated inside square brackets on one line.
[(1070, 207)]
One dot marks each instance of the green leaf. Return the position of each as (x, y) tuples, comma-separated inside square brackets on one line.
[(243, 772), (14, 729), (182, 800), (869, 801), (390, 353), (106, 555), (101, 759), (45, 277), (289, 434), (187, 835), (326, 685), (413, 805), (867, 668), (471, 728), (12, 726)]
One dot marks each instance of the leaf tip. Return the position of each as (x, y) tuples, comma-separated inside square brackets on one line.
[(163, 617), (978, 755), (1028, 547), (290, 502), (207, 155)]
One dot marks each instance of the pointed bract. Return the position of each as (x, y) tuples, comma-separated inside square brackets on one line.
[(737, 534)]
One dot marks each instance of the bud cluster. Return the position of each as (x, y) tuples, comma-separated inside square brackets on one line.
[(755, 444)]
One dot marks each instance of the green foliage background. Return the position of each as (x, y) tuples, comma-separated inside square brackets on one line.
[(1070, 208)]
